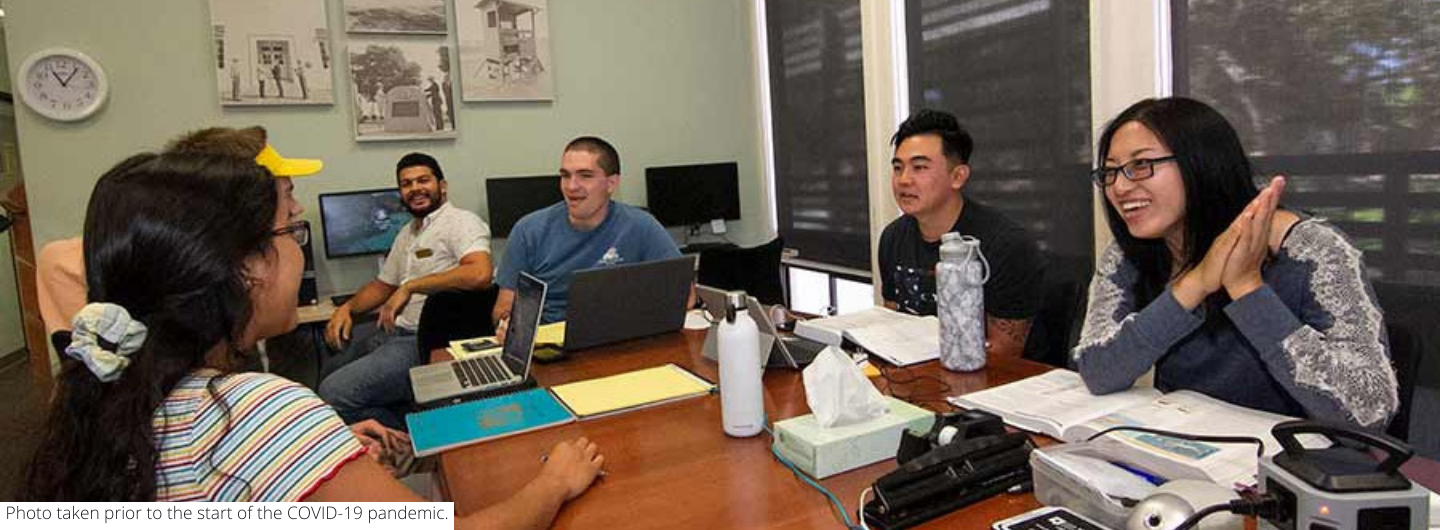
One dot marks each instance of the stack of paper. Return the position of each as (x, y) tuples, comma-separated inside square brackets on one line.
[(631, 390), (899, 338)]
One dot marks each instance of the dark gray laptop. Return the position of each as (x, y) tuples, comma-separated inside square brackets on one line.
[(622, 302), (490, 372)]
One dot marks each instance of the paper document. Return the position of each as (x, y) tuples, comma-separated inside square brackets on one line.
[(1051, 403), (552, 334), (1057, 403), (631, 390), (899, 338)]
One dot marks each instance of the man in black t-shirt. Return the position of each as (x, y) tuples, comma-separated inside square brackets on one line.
[(930, 166)]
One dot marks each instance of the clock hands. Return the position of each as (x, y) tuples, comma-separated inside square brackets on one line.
[(66, 81)]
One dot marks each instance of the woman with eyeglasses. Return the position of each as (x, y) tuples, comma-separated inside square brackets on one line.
[(190, 261), (1219, 289)]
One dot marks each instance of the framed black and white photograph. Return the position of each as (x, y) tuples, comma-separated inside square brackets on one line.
[(505, 50), (402, 90), (395, 16), (272, 52)]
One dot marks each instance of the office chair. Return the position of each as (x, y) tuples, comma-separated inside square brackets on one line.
[(755, 270), (1056, 328), (1411, 312), (452, 315), (1407, 350)]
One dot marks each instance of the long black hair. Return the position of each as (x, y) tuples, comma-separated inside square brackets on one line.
[(166, 237), (1217, 176)]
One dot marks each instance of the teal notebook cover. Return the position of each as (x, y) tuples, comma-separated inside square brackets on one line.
[(471, 422)]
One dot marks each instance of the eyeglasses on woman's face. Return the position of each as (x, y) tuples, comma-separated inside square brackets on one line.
[(1134, 171), (299, 231)]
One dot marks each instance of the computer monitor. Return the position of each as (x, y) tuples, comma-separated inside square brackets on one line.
[(693, 194), (358, 223), (510, 198)]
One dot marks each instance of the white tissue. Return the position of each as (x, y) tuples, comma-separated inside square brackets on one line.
[(838, 393)]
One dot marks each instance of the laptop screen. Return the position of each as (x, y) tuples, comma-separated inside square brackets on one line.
[(524, 318)]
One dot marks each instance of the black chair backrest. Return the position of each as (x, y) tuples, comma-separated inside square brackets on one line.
[(1411, 312), (755, 270), (1056, 328), (1406, 352), (452, 315)]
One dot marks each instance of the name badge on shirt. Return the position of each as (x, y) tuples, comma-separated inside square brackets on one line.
[(423, 253)]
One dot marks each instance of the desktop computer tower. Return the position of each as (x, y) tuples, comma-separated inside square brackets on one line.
[(309, 294)]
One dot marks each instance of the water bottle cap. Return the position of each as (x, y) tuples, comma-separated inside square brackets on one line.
[(950, 237)]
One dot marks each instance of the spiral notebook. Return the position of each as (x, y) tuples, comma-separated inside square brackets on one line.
[(445, 428)]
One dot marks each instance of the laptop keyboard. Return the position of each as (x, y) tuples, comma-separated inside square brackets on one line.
[(481, 371)]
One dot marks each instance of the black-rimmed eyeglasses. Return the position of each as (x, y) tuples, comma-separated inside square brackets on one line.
[(1134, 170), (299, 231)]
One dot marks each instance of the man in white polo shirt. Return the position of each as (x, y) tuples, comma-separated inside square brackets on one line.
[(443, 248)]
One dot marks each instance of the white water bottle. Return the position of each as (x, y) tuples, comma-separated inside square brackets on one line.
[(960, 277), (742, 402)]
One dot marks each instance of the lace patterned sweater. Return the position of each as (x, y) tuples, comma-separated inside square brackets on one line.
[(1309, 343)]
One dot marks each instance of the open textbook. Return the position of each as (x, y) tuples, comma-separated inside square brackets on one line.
[(899, 338), (1057, 403)]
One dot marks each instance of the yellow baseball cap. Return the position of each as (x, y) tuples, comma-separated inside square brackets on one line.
[(287, 167)]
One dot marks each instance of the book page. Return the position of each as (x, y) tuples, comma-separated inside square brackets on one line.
[(830, 329), (1051, 402), (901, 342), (1190, 413)]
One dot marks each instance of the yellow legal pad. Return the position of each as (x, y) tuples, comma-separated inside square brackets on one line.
[(631, 390)]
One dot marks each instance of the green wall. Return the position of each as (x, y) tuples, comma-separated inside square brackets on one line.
[(667, 81)]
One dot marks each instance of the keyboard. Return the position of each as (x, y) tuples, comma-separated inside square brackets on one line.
[(481, 371)]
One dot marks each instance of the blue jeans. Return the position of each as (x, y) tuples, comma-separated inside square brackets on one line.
[(375, 384)]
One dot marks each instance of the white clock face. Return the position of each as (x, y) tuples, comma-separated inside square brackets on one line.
[(63, 85)]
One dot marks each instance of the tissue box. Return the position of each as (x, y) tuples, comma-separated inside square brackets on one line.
[(822, 452)]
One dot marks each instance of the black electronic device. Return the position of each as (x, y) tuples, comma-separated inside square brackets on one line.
[(693, 194), (948, 427), (365, 222), (511, 198), (949, 477)]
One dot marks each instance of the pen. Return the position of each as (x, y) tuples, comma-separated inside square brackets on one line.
[(1139, 473)]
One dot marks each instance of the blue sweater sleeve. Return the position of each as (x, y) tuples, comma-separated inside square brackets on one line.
[(1331, 357), (1119, 343)]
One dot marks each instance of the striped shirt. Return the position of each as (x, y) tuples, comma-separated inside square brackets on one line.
[(279, 442)]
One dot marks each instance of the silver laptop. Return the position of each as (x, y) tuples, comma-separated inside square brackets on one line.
[(622, 302), (509, 367)]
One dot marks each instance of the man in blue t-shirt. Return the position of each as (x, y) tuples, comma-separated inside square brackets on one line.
[(587, 230)]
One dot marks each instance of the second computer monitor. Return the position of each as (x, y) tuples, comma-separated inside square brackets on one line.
[(361, 222), (510, 198), (693, 194)]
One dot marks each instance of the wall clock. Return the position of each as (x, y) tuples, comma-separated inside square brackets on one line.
[(63, 84)]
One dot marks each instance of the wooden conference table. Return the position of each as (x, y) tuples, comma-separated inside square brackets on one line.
[(671, 466)]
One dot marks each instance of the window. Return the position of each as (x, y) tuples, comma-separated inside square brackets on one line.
[(818, 120), (827, 292), (1341, 98), (1017, 75)]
